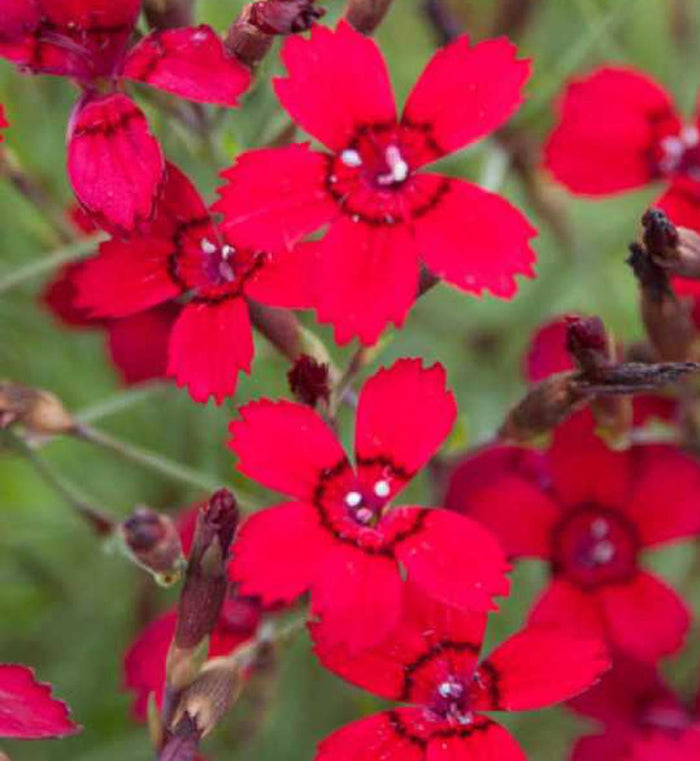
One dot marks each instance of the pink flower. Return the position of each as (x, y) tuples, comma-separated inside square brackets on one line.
[(385, 214)]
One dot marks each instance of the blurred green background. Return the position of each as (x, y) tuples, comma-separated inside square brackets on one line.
[(67, 607)]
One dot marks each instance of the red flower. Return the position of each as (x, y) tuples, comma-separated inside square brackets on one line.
[(144, 661), (432, 663), (115, 164), (183, 252), (642, 139), (137, 345), (590, 512), (644, 719), (27, 709), (384, 214), (338, 536)]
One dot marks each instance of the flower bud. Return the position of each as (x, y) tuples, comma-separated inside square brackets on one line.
[(285, 16), (675, 249), (40, 412), (154, 543), (366, 15), (587, 342), (308, 380), (169, 14), (183, 742)]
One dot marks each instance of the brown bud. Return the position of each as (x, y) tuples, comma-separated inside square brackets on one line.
[(546, 405), (154, 543), (308, 380), (366, 15), (40, 412), (169, 14), (666, 320), (675, 249), (285, 16), (587, 342)]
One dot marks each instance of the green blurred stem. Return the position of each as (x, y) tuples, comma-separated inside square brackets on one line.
[(49, 262), (101, 523)]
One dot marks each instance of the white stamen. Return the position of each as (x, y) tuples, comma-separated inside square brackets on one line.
[(350, 157), (226, 271), (690, 136), (603, 552), (364, 515), (450, 689), (382, 489), (207, 246), (600, 528), (353, 498), (227, 250), (398, 168)]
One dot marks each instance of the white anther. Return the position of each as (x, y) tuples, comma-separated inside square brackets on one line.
[(350, 157), (603, 552), (600, 528), (226, 271), (382, 489), (364, 515), (450, 689), (353, 498), (690, 136), (398, 168), (207, 246), (227, 251)]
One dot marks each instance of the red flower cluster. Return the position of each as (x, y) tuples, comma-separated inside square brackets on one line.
[(385, 214), (27, 709), (115, 164), (590, 512)]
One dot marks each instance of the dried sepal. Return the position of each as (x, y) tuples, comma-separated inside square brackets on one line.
[(153, 542), (40, 412)]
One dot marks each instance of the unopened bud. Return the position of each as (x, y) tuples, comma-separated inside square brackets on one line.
[(40, 412), (587, 342), (285, 16), (183, 742), (675, 249), (154, 543), (309, 381), (546, 405), (366, 15), (169, 14), (667, 321)]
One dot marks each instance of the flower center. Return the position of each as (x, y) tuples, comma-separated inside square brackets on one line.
[(451, 701), (365, 506), (680, 154), (218, 261), (593, 545)]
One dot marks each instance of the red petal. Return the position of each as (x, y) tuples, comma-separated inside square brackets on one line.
[(547, 352), (602, 748), (649, 407), (407, 665), (115, 164), (663, 746), (337, 82), (358, 597), (466, 92), (681, 202), (278, 553), (126, 277), (600, 156), (404, 414), (538, 667), (89, 14), (287, 279), (179, 205), (374, 737), (191, 63), (453, 559), (266, 437), (491, 488), (664, 476), (645, 618), (576, 452), (210, 344), (275, 196), (27, 710), (488, 742), (144, 662), (138, 344), (61, 296), (563, 604), (474, 239), (367, 277)]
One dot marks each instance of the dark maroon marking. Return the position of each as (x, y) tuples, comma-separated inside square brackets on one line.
[(328, 474), (428, 132), (149, 66), (433, 652), (402, 730), (493, 685), (656, 119), (110, 128)]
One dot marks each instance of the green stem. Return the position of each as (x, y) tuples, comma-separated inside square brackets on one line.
[(49, 262)]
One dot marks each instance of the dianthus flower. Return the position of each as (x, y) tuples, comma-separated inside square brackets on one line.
[(643, 719), (184, 253), (115, 164), (590, 513), (339, 537), (385, 215), (144, 661), (27, 709), (432, 662), (641, 140)]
